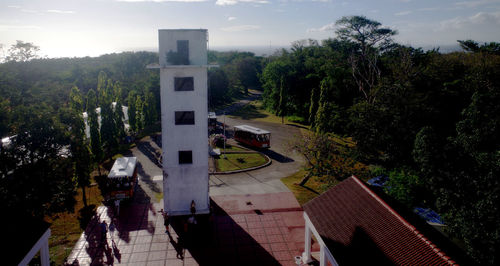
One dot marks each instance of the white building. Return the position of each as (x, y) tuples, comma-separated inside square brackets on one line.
[(183, 83)]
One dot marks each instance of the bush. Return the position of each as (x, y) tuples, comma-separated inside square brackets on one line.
[(296, 119), (404, 185), (218, 140)]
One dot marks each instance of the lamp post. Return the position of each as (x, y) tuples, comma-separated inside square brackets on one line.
[(224, 135)]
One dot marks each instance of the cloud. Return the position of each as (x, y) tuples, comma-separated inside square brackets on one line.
[(241, 28), (428, 9), (234, 2), (14, 6), (326, 27), (231, 18), (160, 1), (403, 13), (60, 11), (477, 19), (18, 27), (469, 4), (29, 11)]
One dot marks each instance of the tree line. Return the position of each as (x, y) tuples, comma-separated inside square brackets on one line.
[(429, 121)]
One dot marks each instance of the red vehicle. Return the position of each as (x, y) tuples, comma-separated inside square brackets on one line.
[(122, 178), (252, 136)]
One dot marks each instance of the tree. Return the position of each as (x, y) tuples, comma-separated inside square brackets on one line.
[(150, 115), (132, 111), (405, 186), (108, 126), (473, 46), (102, 88), (247, 70), (118, 111), (370, 39), (472, 201), (4, 118), (95, 136), (272, 76), (139, 107), (35, 173), (22, 52), (326, 158), (79, 146), (282, 106), (313, 107), (218, 90)]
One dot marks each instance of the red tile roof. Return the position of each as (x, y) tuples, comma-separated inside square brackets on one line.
[(358, 227)]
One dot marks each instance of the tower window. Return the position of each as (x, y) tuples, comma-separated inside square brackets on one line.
[(184, 84), (184, 118), (185, 157)]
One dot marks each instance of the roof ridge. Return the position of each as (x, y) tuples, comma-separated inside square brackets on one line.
[(419, 235)]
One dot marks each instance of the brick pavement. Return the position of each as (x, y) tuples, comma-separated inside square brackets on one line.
[(235, 234)]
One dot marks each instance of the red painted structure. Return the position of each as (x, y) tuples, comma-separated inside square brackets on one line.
[(122, 178), (252, 136), (360, 228)]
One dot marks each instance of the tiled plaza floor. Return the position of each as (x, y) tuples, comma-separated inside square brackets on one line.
[(265, 229)]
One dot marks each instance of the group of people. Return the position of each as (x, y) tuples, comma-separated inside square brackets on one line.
[(191, 219), (104, 230)]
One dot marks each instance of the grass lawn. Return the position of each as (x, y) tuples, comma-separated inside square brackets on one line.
[(312, 188), (255, 111), (66, 228), (238, 161), (231, 148)]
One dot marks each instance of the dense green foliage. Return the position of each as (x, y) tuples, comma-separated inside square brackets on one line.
[(237, 72), (431, 119), (35, 176), (79, 145)]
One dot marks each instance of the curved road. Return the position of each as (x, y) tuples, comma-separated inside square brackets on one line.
[(265, 180)]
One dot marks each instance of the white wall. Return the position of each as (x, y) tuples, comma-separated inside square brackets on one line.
[(197, 44), (183, 183)]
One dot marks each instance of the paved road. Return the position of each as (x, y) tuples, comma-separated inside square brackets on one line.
[(285, 162), (265, 180), (149, 169)]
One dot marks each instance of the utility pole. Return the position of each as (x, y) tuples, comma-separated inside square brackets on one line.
[(224, 135)]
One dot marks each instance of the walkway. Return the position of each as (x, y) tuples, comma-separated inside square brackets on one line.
[(264, 229)]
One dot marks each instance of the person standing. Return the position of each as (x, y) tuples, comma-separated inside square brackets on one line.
[(193, 207), (117, 207), (166, 221), (104, 231), (112, 228)]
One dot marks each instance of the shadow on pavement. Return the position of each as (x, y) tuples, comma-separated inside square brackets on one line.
[(217, 239), (147, 178), (102, 249), (157, 139), (295, 125), (277, 156), (151, 153)]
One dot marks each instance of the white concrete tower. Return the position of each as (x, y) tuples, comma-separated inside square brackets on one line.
[(184, 125)]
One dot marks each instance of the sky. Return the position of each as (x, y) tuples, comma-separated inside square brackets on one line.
[(74, 28)]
